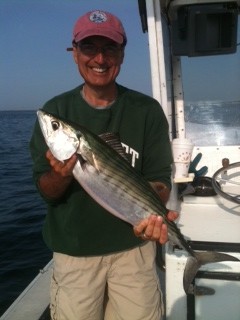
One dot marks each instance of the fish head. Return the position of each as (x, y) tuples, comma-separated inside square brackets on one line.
[(61, 138)]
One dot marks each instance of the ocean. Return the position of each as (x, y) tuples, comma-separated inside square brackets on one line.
[(22, 250)]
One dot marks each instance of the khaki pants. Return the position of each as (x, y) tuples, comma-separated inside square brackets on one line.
[(78, 288)]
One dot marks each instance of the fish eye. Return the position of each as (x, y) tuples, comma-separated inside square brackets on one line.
[(55, 125)]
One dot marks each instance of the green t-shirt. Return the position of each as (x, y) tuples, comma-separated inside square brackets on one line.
[(75, 224)]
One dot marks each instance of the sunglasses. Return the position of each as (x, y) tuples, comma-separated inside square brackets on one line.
[(92, 50)]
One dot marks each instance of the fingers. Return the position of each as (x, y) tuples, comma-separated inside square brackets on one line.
[(164, 234), (154, 229), (64, 168), (139, 229), (172, 215)]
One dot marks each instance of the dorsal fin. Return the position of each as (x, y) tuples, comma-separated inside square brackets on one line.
[(113, 140)]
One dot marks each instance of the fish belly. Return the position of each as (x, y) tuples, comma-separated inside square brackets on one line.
[(111, 194)]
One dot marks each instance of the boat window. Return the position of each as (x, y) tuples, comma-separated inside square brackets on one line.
[(212, 98)]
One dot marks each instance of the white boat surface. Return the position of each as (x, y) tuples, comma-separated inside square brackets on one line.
[(33, 302)]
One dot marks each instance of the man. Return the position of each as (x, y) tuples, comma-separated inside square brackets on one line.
[(94, 252)]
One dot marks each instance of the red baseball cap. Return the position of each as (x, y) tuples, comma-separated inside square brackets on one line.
[(99, 23)]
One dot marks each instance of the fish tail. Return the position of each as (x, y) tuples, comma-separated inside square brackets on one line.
[(199, 259)]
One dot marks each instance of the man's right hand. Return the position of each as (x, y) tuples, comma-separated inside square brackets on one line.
[(64, 168), (55, 182)]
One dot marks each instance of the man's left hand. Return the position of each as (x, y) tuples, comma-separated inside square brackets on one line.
[(153, 228)]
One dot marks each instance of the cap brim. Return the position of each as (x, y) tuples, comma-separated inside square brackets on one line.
[(116, 37)]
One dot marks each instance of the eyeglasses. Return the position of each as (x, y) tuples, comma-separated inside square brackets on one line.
[(92, 50)]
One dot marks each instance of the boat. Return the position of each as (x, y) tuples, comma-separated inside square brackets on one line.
[(206, 172)]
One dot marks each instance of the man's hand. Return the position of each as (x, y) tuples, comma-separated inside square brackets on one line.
[(55, 182), (154, 229), (64, 168)]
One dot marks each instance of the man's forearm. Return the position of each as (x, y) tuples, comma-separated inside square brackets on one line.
[(53, 185)]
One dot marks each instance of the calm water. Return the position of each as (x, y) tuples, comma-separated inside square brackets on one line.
[(22, 251)]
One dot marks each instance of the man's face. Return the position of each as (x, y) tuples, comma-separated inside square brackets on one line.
[(99, 60)]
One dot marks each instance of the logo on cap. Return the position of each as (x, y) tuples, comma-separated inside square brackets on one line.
[(98, 17)]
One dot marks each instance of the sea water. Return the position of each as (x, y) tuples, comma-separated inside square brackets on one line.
[(22, 250)]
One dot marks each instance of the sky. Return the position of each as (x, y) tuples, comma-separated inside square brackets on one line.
[(35, 66)]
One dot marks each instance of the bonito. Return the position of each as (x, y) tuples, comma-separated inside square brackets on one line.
[(111, 181)]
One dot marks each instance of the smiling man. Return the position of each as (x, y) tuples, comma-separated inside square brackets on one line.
[(103, 267)]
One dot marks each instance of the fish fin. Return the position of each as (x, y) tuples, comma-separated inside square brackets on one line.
[(190, 271), (199, 259), (81, 160), (113, 140), (86, 166)]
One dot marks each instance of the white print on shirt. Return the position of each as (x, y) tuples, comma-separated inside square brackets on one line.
[(134, 153)]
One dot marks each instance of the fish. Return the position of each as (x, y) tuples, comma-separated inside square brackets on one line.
[(105, 173)]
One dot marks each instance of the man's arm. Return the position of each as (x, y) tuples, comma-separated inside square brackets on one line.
[(55, 182)]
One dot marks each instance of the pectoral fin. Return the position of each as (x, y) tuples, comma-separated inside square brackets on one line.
[(85, 165)]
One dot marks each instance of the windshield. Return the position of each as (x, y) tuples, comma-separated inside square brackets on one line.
[(212, 98)]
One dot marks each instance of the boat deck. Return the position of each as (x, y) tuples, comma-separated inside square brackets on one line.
[(46, 315), (33, 302)]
